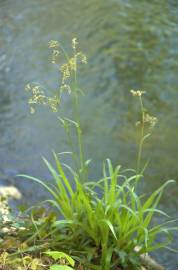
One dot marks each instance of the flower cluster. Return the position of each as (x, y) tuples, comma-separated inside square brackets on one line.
[(67, 71), (54, 45), (147, 119), (38, 97), (150, 120), (137, 93), (74, 43)]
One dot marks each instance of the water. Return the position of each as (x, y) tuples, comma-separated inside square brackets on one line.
[(129, 44)]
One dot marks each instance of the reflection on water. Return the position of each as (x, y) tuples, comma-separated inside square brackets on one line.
[(130, 44)]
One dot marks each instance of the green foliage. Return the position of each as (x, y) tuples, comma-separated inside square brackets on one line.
[(60, 267), (60, 255), (104, 228), (56, 255)]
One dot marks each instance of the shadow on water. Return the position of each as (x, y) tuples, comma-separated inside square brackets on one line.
[(130, 44)]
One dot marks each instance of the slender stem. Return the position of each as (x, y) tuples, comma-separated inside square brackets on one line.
[(77, 115), (140, 149), (70, 143), (64, 52)]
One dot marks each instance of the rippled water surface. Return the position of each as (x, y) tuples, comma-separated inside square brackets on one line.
[(129, 44)]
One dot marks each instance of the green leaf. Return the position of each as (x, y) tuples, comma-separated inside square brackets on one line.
[(122, 256), (110, 227), (60, 255), (41, 183), (60, 267)]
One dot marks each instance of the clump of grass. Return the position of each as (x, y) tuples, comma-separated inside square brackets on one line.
[(104, 229), (103, 224)]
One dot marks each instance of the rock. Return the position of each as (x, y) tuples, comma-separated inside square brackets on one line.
[(10, 192), (148, 262)]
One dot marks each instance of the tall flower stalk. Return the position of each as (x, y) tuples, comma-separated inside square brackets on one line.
[(77, 112), (146, 119), (68, 84)]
